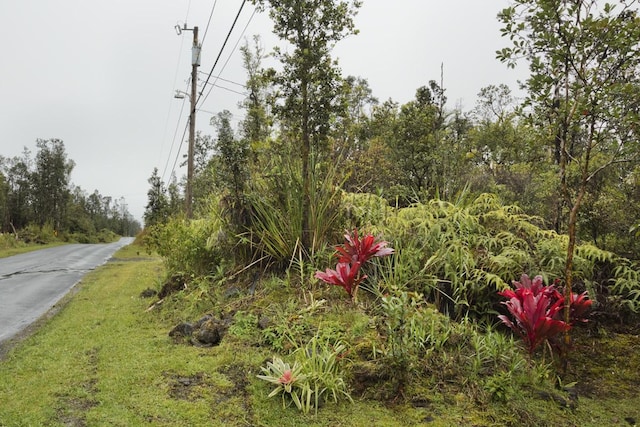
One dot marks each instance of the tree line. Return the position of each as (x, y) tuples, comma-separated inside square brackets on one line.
[(567, 153), (36, 193)]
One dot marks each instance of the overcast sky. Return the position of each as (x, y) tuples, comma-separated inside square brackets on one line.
[(101, 75)]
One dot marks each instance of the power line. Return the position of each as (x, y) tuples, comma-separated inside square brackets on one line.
[(173, 168), (209, 77), (226, 80), (229, 57), (208, 22), (227, 89), (175, 133), (221, 49)]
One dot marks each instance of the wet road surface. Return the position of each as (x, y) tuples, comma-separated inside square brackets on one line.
[(32, 283)]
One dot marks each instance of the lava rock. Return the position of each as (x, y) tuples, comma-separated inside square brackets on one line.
[(148, 293), (181, 330), (210, 333), (264, 322)]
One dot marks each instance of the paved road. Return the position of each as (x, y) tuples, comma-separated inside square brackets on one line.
[(32, 283)]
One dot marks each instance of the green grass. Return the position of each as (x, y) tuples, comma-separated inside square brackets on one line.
[(104, 360), (21, 248)]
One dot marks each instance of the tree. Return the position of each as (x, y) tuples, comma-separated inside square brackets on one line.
[(157, 209), (417, 137), (256, 126), (4, 199), (352, 126), (232, 168), (20, 196), (50, 181), (583, 90), (309, 80)]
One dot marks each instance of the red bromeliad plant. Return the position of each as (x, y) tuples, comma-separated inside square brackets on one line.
[(361, 250), (354, 253), (537, 310), (345, 275)]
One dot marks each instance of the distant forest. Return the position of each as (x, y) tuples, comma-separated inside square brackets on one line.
[(39, 202)]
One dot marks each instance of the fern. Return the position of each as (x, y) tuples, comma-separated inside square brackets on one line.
[(470, 249)]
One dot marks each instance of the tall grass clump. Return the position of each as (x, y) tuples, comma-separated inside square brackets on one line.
[(275, 205)]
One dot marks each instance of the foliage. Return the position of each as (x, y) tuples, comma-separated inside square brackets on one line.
[(286, 377), (581, 92), (314, 377), (625, 285), (459, 254), (37, 192), (346, 275), (50, 182), (186, 246), (307, 82), (231, 166), (275, 207), (534, 308), (157, 209), (411, 330)]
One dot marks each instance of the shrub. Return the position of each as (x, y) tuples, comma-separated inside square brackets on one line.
[(186, 246), (352, 255)]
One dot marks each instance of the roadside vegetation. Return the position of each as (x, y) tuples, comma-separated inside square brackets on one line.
[(358, 263), (39, 205), (107, 359)]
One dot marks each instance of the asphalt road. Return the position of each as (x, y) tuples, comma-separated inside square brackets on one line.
[(32, 283)]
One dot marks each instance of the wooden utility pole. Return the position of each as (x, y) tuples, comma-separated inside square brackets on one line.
[(195, 62)]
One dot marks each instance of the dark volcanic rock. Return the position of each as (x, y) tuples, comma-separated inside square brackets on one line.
[(210, 333), (148, 293), (181, 330)]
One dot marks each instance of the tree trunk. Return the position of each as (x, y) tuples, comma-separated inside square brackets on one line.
[(305, 154)]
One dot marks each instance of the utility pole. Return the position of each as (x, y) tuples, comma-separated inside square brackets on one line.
[(195, 63)]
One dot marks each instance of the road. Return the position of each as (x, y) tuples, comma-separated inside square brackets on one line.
[(32, 283)]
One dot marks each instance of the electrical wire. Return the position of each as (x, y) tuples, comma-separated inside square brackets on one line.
[(228, 58), (208, 78), (175, 133), (208, 22), (173, 168), (226, 80), (221, 50)]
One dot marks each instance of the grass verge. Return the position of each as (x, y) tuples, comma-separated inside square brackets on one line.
[(24, 248), (103, 360)]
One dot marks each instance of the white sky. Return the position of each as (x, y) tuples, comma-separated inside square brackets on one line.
[(101, 75)]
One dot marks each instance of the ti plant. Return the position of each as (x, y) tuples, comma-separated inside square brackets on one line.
[(352, 255), (537, 310)]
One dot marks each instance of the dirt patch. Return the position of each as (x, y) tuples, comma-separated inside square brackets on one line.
[(237, 394), (186, 387), (174, 284), (71, 408)]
